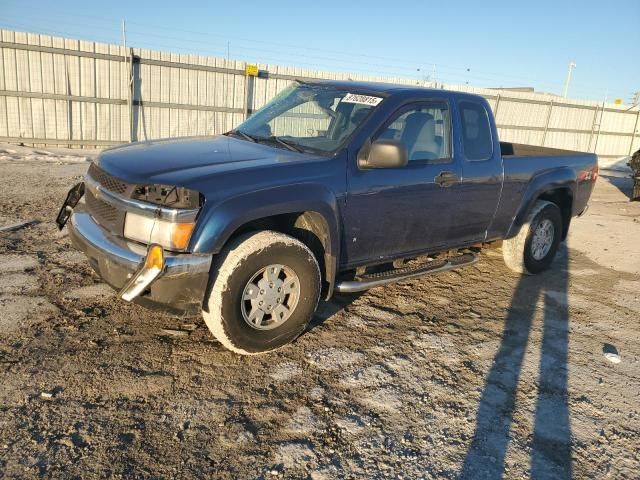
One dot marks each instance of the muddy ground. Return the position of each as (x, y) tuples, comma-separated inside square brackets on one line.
[(476, 373)]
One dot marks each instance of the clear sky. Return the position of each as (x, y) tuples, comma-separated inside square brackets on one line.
[(482, 43)]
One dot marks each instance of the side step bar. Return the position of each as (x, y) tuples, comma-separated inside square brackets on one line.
[(371, 280)]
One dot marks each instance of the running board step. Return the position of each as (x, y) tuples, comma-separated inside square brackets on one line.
[(371, 280)]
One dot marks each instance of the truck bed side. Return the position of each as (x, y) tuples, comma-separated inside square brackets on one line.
[(532, 171)]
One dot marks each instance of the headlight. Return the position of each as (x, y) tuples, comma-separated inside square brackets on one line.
[(168, 196), (174, 236)]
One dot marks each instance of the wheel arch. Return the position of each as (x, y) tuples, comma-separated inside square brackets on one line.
[(563, 198), (308, 213), (556, 186)]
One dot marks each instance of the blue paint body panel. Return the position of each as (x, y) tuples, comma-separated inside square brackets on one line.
[(372, 215)]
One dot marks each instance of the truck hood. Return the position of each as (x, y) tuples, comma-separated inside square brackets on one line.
[(189, 160)]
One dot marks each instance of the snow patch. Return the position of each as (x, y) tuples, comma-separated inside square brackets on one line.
[(285, 371), (294, 454), (12, 153), (18, 283), (97, 290), (17, 263), (384, 399), (334, 358), (374, 375), (19, 311), (303, 422)]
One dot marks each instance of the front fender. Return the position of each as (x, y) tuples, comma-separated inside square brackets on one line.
[(220, 221), (543, 182)]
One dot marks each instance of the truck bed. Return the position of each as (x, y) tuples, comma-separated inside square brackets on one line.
[(509, 149)]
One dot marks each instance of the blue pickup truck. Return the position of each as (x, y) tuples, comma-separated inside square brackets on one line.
[(331, 187)]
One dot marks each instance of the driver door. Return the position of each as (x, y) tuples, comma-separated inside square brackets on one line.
[(395, 212)]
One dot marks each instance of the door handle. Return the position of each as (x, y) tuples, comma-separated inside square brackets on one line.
[(446, 179)]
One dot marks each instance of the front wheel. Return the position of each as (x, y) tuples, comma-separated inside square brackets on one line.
[(264, 293), (535, 246)]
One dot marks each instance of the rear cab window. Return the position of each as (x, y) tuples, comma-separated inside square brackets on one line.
[(477, 139)]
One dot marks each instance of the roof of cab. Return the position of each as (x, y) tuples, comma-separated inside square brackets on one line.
[(385, 88)]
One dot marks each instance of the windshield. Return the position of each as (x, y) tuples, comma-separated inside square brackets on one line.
[(307, 117)]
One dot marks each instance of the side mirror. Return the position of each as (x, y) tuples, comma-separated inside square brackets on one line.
[(383, 153)]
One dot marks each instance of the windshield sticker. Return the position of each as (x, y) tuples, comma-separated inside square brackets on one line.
[(363, 99)]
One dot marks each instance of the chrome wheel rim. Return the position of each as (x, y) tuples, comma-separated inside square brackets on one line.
[(270, 297), (542, 239)]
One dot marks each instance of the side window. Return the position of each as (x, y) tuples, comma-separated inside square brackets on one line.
[(425, 130), (477, 140)]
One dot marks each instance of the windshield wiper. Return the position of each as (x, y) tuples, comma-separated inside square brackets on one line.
[(272, 138), (246, 136), (290, 146)]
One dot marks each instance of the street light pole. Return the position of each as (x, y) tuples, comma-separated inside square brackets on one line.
[(572, 65)]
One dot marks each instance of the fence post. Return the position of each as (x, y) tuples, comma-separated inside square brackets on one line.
[(595, 146), (128, 62), (250, 72), (132, 133), (69, 104), (593, 126), (246, 95), (633, 134), (495, 112), (546, 125)]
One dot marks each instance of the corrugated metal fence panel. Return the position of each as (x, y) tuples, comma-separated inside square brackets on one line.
[(531, 137), (10, 74), (47, 76), (520, 114), (620, 121), (77, 91), (570, 117), (636, 144), (7, 112)]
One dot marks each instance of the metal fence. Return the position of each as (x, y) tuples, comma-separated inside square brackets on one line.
[(59, 91)]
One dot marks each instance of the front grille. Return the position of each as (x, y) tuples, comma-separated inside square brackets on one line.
[(109, 182), (105, 214)]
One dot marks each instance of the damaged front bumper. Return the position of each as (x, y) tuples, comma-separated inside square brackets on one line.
[(179, 288)]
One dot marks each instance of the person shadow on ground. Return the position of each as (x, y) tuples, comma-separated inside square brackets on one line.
[(550, 444)]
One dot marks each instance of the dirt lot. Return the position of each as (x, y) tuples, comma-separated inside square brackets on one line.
[(477, 373)]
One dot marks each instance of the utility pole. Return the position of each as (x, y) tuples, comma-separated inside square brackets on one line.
[(124, 36), (572, 65)]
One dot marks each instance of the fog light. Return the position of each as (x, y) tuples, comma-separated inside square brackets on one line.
[(151, 268)]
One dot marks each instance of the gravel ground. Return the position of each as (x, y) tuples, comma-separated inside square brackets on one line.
[(476, 373)]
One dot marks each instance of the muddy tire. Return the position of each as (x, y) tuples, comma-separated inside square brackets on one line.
[(265, 290), (534, 248)]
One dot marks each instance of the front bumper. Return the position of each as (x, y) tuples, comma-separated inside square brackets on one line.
[(179, 289)]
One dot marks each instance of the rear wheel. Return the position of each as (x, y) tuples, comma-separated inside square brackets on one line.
[(264, 293), (534, 248)]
